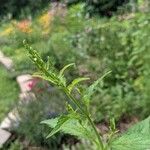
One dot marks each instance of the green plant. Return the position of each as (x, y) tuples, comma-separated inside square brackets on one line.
[(121, 47), (8, 92), (81, 107), (103, 8), (16, 145), (17, 7), (78, 121)]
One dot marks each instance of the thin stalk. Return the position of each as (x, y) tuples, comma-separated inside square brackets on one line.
[(88, 117), (96, 132)]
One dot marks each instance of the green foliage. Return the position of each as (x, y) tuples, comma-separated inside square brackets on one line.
[(104, 7), (133, 141), (102, 44), (16, 145), (50, 74), (32, 37), (8, 92), (78, 121), (38, 109), (75, 82), (84, 144), (142, 128), (120, 47), (137, 137), (16, 7), (61, 73), (61, 120), (96, 45), (69, 126), (90, 91)]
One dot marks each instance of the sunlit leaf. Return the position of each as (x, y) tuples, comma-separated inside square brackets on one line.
[(75, 82), (64, 68), (48, 64), (42, 76)]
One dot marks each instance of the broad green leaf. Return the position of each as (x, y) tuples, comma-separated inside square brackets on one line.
[(141, 127), (64, 68), (75, 82), (90, 90), (73, 127), (133, 141), (136, 138)]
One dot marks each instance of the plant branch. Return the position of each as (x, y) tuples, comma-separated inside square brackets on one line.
[(88, 117)]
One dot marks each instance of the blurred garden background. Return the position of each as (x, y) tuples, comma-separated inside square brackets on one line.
[(96, 35)]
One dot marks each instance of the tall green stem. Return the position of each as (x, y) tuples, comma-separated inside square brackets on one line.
[(88, 117)]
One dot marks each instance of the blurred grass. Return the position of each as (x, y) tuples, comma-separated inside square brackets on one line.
[(8, 92)]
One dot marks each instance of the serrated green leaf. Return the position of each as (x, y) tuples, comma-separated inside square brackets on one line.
[(75, 82), (141, 127), (60, 121), (132, 142), (61, 73), (72, 127), (90, 90), (136, 138)]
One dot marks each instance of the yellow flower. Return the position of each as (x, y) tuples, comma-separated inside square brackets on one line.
[(45, 21), (7, 31)]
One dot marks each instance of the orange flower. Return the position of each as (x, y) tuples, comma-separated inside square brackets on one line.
[(24, 26)]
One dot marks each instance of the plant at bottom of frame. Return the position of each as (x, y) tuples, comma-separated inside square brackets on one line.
[(78, 121)]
